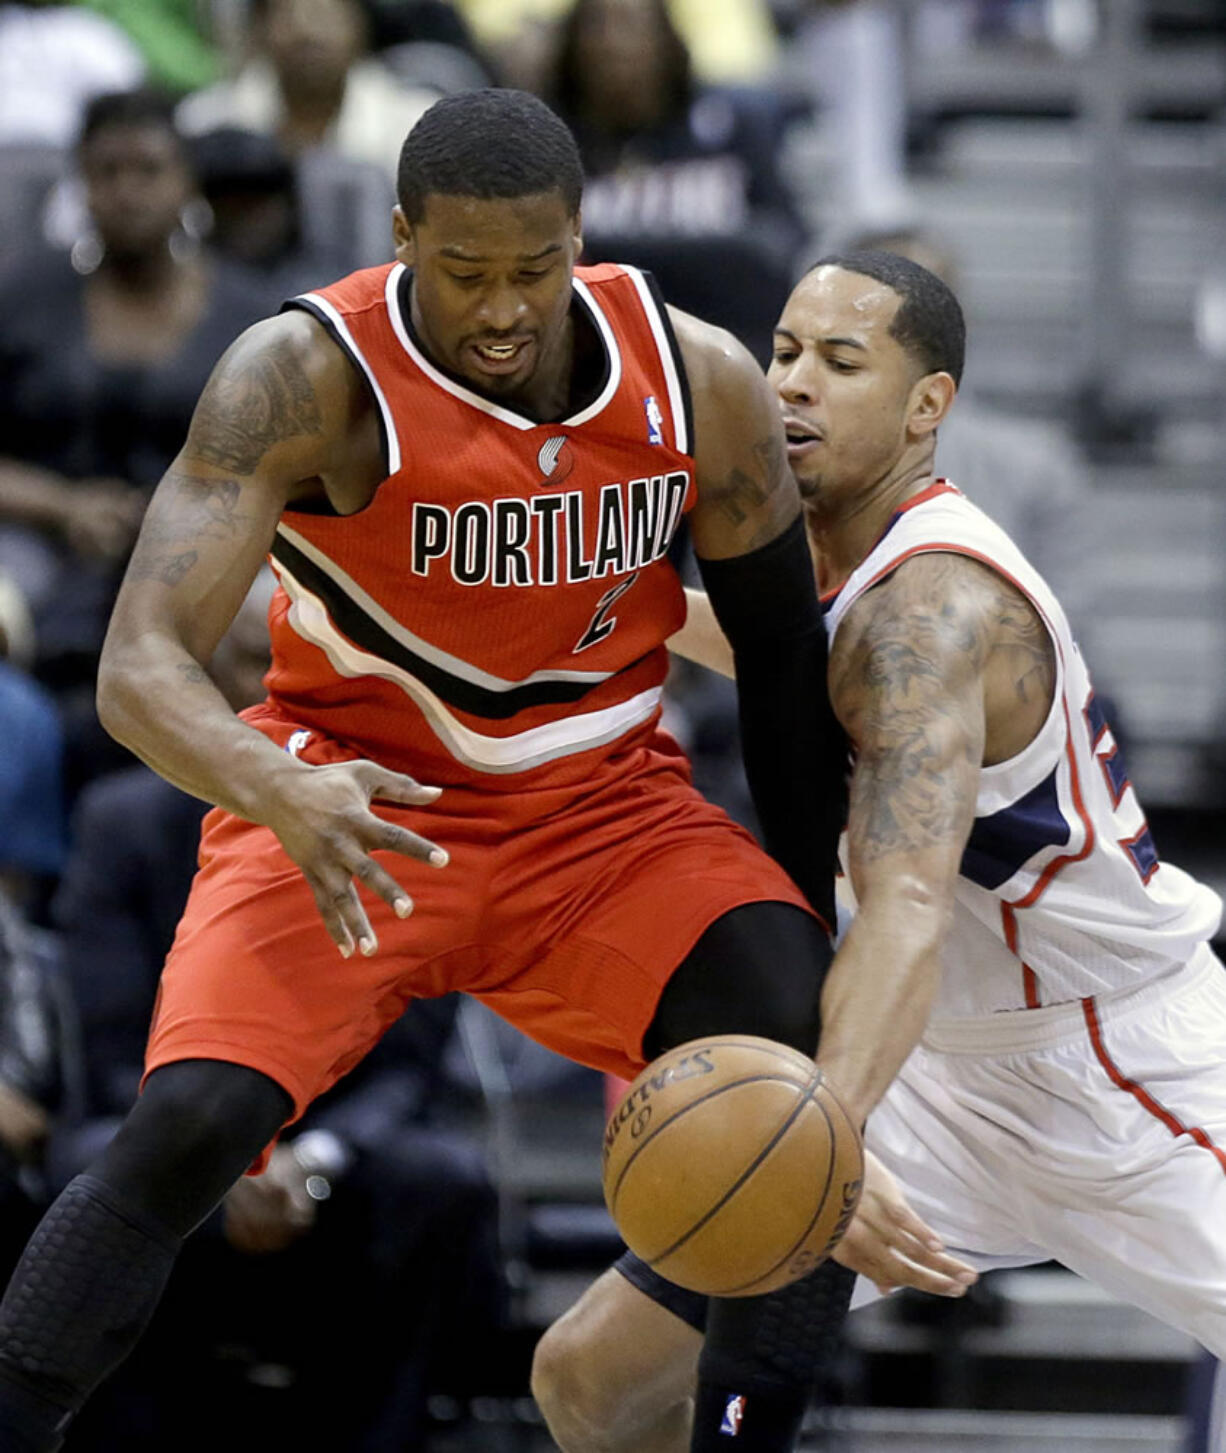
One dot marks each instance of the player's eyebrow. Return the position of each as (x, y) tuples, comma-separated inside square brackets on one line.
[(459, 254), (791, 337)]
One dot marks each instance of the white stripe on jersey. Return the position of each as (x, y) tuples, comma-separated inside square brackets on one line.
[(454, 665), (1061, 893), (548, 743)]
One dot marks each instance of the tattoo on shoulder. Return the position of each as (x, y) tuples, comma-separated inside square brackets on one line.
[(186, 510), (1025, 648), (247, 409)]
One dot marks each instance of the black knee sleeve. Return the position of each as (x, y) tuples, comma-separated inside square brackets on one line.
[(80, 1298), (196, 1128), (756, 970), (789, 1336)]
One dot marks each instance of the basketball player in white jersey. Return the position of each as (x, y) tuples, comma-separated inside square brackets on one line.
[(1047, 1056)]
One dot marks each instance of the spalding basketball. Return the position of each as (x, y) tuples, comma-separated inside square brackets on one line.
[(730, 1167)]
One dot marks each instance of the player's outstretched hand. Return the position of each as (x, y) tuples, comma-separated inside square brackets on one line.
[(888, 1243), (327, 826)]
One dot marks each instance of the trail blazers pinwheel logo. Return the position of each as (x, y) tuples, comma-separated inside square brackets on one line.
[(555, 461)]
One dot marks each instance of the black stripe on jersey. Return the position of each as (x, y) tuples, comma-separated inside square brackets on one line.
[(360, 365), (367, 633), (687, 401)]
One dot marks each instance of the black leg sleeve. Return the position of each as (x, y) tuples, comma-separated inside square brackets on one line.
[(762, 1358), (95, 1268)]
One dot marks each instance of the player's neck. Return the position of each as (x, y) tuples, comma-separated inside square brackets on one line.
[(843, 535)]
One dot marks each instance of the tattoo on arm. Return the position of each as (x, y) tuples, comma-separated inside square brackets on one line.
[(1025, 647), (187, 509), (245, 410), (743, 496), (910, 692), (192, 671)]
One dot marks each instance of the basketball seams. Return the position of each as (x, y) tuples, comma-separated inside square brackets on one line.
[(762, 1155), (662, 1125), (819, 1209), (732, 1186)]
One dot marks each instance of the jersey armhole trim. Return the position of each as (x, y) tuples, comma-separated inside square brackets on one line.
[(337, 329), (680, 400)]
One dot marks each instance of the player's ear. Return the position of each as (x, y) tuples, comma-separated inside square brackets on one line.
[(402, 238), (931, 399), (577, 234)]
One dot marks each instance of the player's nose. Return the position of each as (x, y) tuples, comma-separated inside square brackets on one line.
[(501, 309), (795, 383)]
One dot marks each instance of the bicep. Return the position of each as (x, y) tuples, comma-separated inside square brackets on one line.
[(908, 685), (746, 494), (260, 429)]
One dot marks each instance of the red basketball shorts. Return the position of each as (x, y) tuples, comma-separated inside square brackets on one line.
[(566, 911)]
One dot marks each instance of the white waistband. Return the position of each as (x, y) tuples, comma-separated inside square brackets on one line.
[(1015, 1030)]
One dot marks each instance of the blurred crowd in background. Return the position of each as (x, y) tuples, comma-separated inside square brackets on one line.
[(171, 170)]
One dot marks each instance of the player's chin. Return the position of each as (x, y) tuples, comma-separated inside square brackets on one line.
[(809, 485)]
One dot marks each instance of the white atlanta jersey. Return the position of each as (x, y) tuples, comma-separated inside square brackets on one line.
[(1088, 1125), (1062, 894)]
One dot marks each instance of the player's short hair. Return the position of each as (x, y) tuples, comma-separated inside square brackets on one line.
[(144, 106), (488, 143), (929, 323)]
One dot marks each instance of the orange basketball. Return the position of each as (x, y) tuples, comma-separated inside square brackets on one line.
[(730, 1167)]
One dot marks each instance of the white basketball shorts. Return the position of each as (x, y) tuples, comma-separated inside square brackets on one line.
[(1091, 1133)]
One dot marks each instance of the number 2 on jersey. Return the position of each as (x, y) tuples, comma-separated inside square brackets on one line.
[(602, 623), (1140, 847)]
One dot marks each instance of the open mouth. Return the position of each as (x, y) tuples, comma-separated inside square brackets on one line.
[(504, 356), (801, 437)]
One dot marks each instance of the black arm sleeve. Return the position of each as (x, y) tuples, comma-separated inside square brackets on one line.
[(794, 748)]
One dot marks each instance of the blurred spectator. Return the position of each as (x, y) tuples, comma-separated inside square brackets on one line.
[(312, 81), (362, 1257), (102, 357), (32, 826), (53, 59), (39, 1068), (681, 177), (731, 41), (258, 217), (428, 43), (1024, 472), (40, 1074), (173, 36)]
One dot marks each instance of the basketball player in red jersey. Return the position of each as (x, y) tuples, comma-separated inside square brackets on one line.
[(467, 468)]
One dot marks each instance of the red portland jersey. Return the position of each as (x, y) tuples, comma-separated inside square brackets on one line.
[(501, 605)]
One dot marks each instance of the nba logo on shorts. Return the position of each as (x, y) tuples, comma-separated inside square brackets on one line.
[(733, 1414), (655, 420), (297, 741)]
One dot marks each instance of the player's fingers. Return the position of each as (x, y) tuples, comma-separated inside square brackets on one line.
[(904, 1219), (389, 786), (914, 1239), (392, 838), (383, 885), (925, 1278), (342, 913)]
